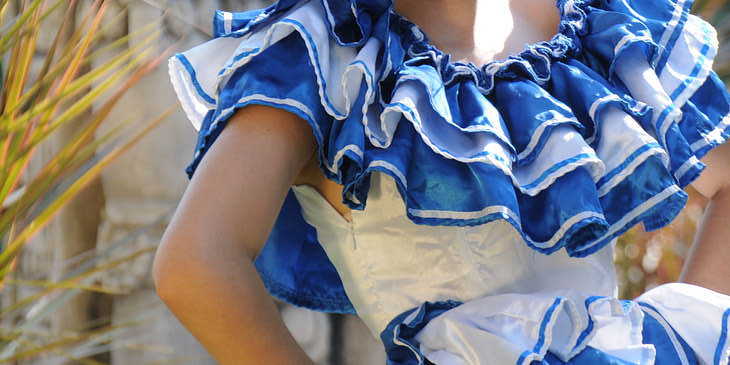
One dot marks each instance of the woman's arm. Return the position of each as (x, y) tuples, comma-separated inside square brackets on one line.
[(204, 269), (707, 264)]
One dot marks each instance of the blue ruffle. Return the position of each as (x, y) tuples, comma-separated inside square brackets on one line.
[(672, 348), (295, 270), (530, 139), (403, 348)]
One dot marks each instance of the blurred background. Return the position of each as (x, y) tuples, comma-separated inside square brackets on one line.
[(92, 158)]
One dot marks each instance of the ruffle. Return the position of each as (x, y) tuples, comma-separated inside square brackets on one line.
[(565, 141), (661, 327), (700, 316), (522, 329)]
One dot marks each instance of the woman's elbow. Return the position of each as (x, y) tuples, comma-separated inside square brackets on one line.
[(169, 269), (189, 262), (163, 275)]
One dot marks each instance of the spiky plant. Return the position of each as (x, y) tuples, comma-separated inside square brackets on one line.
[(33, 106)]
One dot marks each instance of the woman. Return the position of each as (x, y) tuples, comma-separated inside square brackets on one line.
[(486, 197)]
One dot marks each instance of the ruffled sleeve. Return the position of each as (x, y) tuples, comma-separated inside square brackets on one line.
[(572, 141)]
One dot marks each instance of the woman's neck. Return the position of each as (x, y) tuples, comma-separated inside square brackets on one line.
[(481, 30)]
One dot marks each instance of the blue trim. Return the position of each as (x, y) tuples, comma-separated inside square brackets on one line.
[(222, 120), (398, 337), (237, 58), (315, 54), (557, 167), (589, 328), (693, 172), (543, 137), (669, 46), (240, 56), (289, 295), (723, 337), (712, 143), (444, 151), (641, 216), (665, 323), (523, 357), (660, 122), (473, 128), (617, 170), (367, 70), (459, 222), (561, 242), (241, 23), (194, 78), (543, 326), (699, 66)]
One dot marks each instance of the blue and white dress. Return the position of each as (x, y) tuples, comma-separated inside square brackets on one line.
[(486, 199)]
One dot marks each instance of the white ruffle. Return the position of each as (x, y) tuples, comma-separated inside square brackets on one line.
[(699, 315), (521, 328)]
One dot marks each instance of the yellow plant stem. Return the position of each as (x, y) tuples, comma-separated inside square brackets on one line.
[(61, 285), (75, 280), (26, 49), (85, 135), (48, 106), (42, 219), (10, 36), (38, 92)]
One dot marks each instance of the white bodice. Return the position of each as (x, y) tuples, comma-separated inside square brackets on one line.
[(388, 264)]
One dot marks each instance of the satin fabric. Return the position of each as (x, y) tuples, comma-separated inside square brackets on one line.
[(614, 112), (522, 170)]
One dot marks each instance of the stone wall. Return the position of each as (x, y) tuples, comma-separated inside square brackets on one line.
[(134, 198)]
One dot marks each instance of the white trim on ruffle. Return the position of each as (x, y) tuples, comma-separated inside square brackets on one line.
[(671, 26), (522, 328), (699, 315), (670, 332), (698, 42), (714, 137), (633, 214)]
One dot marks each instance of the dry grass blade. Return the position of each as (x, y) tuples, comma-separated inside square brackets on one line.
[(12, 35), (43, 308), (77, 88), (46, 302), (79, 341), (70, 158), (128, 68), (24, 50), (64, 158), (33, 299), (38, 93), (83, 76), (13, 247), (61, 285)]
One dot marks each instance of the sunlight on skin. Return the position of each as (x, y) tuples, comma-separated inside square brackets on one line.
[(491, 33), (536, 21), (498, 28)]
